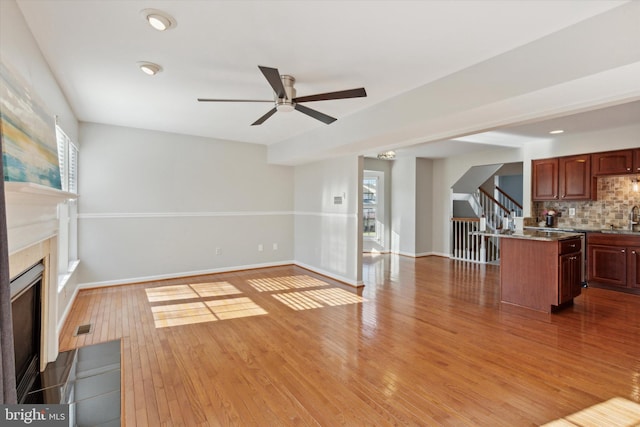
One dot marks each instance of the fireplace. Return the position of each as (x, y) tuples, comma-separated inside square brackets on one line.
[(26, 309)]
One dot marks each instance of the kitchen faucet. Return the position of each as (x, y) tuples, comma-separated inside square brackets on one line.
[(633, 217)]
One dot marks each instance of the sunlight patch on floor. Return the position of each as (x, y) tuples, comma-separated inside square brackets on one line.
[(215, 289), (170, 293), (181, 314), (285, 283), (235, 307), (616, 412), (199, 311), (318, 298)]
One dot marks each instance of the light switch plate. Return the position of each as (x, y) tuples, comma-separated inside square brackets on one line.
[(572, 211)]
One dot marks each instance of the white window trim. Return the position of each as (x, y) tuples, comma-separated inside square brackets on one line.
[(68, 210), (379, 205)]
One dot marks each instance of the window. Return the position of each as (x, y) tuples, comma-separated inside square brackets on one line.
[(67, 210), (370, 207), (68, 160)]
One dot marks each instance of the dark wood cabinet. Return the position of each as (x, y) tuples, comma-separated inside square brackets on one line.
[(575, 179), (613, 162), (607, 264), (569, 278), (563, 178), (541, 275), (544, 179), (636, 160), (633, 267), (614, 261)]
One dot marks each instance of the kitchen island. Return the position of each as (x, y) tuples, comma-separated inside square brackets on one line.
[(539, 270)]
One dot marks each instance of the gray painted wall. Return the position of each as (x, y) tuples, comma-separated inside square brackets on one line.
[(156, 204), (328, 235)]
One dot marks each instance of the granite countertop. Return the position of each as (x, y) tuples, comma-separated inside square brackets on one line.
[(584, 230), (528, 234)]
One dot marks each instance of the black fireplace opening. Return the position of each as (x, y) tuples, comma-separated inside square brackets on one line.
[(26, 310)]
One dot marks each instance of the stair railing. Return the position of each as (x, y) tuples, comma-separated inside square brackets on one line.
[(466, 245), (508, 202), (493, 210)]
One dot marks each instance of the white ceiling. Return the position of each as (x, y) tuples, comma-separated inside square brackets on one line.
[(515, 136), (389, 47)]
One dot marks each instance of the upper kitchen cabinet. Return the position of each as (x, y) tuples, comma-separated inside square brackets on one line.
[(564, 178), (616, 162), (544, 179), (575, 179)]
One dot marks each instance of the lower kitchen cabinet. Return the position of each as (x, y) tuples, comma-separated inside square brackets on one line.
[(614, 261), (541, 275), (633, 267), (570, 276)]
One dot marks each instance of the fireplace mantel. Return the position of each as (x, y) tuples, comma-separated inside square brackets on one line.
[(32, 213), (27, 191)]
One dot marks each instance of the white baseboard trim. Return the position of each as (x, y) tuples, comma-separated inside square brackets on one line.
[(129, 281), (420, 254), (442, 254), (354, 283)]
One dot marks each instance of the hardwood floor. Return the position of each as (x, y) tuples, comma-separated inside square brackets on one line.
[(425, 342)]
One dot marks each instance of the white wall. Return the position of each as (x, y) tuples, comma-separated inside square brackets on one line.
[(448, 171), (155, 204), (424, 207), (412, 206), (327, 239), (19, 50), (403, 206)]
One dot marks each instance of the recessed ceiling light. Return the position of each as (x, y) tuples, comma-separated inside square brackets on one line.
[(149, 68), (557, 131), (158, 19)]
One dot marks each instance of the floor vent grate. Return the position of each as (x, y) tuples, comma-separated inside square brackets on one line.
[(83, 329)]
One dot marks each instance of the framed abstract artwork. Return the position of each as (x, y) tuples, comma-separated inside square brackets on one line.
[(27, 129)]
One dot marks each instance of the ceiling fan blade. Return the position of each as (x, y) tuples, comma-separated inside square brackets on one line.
[(232, 100), (273, 77), (262, 119), (315, 114), (342, 94)]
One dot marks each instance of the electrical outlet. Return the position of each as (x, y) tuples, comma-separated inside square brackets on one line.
[(275, 246), (572, 211), (260, 247), (218, 251)]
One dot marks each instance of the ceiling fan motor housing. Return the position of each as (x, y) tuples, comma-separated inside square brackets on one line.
[(286, 104)]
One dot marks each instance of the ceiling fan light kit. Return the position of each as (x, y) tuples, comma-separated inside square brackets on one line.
[(387, 155), (285, 99)]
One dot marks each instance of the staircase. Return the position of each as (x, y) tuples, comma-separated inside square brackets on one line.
[(472, 205)]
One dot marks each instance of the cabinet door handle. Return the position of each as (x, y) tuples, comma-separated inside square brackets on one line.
[(628, 169), (573, 246), (633, 252), (623, 251)]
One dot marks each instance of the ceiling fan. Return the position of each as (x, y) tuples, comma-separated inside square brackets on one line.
[(284, 95)]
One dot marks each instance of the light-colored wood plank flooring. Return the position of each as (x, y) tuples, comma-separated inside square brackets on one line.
[(425, 342)]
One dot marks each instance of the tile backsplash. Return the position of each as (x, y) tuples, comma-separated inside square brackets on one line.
[(615, 200)]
